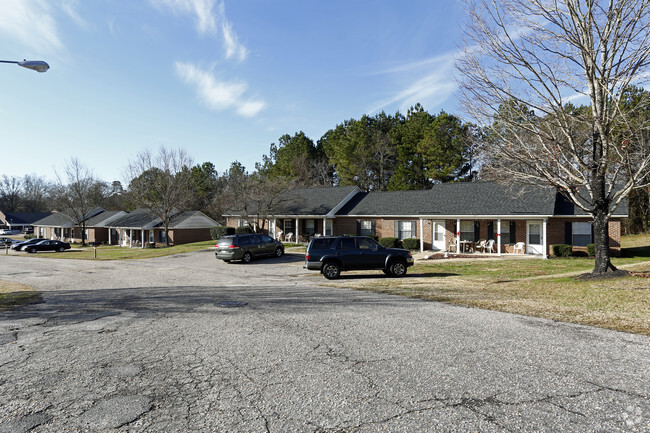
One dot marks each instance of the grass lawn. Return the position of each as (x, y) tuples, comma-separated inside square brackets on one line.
[(540, 288)]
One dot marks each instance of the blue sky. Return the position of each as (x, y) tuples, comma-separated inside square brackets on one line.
[(220, 79)]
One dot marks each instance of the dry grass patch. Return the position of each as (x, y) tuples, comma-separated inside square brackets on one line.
[(540, 288), (13, 295)]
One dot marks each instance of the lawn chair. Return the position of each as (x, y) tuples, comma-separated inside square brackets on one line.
[(489, 246), (519, 246), (452, 246), (288, 237), (480, 246)]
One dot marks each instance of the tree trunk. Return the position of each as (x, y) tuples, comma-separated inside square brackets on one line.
[(601, 243)]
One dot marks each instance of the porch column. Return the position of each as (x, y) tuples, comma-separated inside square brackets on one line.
[(458, 235), (297, 233), (544, 243), (142, 237), (421, 235), (274, 228), (499, 236), (130, 238), (324, 226)]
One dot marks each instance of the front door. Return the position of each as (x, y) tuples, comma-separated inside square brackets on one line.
[(534, 236), (438, 243)]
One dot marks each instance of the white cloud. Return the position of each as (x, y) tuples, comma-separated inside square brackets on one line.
[(70, 8), (218, 95), (31, 23), (430, 82), (210, 18)]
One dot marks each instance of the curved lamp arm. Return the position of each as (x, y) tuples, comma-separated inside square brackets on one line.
[(36, 65)]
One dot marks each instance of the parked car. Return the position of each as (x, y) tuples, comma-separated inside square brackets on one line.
[(331, 255), (246, 247), (22, 244), (9, 232), (48, 245), (8, 241)]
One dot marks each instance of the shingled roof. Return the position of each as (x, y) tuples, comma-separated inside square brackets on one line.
[(145, 219), (316, 202), (465, 199)]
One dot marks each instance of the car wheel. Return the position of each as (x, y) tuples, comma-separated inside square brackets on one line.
[(279, 251), (60, 249), (331, 270), (31, 250), (247, 257), (398, 269)]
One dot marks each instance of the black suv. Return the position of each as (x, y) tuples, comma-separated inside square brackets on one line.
[(245, 247), (331, 255)]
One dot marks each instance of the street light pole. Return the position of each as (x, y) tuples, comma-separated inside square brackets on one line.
[(35, 65)]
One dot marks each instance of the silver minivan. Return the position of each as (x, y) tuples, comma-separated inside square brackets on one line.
[(246, 247)]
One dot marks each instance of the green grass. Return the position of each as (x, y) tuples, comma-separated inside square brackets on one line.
[(541, 288)]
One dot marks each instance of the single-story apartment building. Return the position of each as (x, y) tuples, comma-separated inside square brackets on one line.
[(20, 220), (447, 217), (63, 227), (143, 227)]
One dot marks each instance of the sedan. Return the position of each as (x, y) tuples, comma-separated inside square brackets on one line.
[(57, 246), (21, 245)]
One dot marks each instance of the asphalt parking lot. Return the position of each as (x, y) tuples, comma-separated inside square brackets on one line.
[(189, 343)]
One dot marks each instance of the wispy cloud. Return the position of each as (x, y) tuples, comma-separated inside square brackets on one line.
[(31, 23), (70, 8), (216, 94), (428, 81), (210, 19)]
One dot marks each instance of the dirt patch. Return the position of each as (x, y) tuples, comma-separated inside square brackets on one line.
[(614, 274)]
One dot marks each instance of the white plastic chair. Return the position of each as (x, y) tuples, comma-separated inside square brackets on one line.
[(278, 235), (519, 246), (489, 246), (288, 237), (480, 246)]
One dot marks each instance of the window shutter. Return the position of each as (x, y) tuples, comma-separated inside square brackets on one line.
[(414, 224), (568, 233), (477, 230), (513, 232), (490, 229), (358, 227), (373, 228), (592, 234)]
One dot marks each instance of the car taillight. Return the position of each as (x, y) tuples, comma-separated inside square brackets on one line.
[(306, 256), (233, 246)]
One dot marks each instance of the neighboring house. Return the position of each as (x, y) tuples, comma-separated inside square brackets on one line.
[(20, 220), (142, 227), (63, 227), (442, 218)]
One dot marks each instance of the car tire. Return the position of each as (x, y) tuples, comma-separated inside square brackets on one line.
[(331, 270), (31, 250), (247, 257), (60, 250), (279, 251), (398, 269)]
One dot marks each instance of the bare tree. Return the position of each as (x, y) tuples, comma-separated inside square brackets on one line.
[(161, 182), (525, 61), (74, 194), (10, 191)]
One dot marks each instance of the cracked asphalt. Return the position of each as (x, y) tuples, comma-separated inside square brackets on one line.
[(189, 343)]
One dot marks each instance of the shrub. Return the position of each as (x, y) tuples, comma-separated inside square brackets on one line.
[(221, 231), (29, 237), (562, 250), (243, 230), (375, 237), (411, 243), (389, 242), (591, 250)]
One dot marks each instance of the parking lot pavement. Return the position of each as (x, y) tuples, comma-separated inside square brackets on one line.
[(189, 343)]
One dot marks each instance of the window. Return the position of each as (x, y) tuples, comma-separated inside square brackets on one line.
[(366, 228), (242, 223), (367, 244), (346, 244), (310, 227), (405, 229), (505, 232), (581, 234), (467, 231), (288, 226), (328, 228)]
